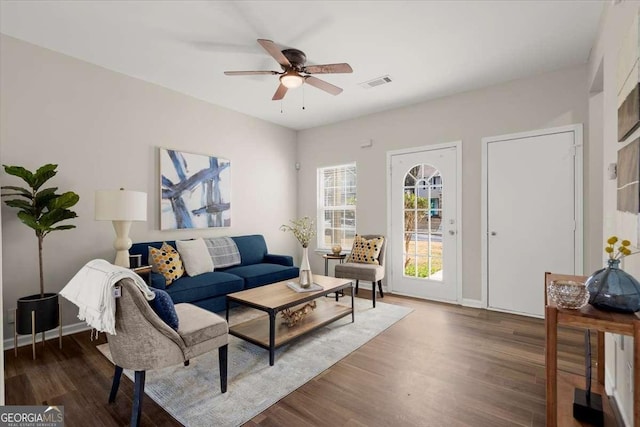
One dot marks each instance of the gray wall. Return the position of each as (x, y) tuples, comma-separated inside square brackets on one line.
[(615, 23), (104, 130), (552, 99)]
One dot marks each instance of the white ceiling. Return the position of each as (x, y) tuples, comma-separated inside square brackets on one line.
[(429, 48)]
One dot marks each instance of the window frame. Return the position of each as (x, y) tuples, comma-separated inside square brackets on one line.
[(321, 208)]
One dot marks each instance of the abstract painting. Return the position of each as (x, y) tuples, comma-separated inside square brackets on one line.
[(195, 190)]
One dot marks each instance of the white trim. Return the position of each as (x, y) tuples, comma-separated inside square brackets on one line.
[(578, 200), (458, 146), (518, 313), (474, 303), (611, 391), (51, 334)]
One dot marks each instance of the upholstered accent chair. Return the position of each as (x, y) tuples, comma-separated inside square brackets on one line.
[(143, 341), (373, 273)]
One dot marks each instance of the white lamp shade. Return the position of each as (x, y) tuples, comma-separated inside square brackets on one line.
[(121, 205)]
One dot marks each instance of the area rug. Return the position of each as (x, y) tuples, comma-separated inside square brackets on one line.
[(192, 394)]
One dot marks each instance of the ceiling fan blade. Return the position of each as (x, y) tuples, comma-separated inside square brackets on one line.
[(280, 92), (248, 73), (322, 85), (328, 69), (273, 50)]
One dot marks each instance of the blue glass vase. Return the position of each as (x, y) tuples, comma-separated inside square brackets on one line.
[(612, 289)]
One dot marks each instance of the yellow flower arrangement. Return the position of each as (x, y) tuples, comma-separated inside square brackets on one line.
[(622, 251)]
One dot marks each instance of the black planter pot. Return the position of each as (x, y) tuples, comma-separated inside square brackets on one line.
[(47, 313)]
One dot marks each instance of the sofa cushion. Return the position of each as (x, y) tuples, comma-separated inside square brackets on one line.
[(261, 274), (195, 256), (198, 325), (252, 248), (143, 248), (167, 262), (207, 285), (223, 251), (163, 305), (366, 251)]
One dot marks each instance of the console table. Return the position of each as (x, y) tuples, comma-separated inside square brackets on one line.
[(587, 317)]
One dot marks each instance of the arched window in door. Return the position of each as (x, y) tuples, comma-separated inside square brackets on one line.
[(423, 192)]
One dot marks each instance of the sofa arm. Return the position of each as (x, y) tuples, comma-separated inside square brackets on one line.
[(279, 259), (157, 281)]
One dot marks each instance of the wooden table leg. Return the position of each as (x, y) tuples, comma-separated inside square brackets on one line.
[(551, 364), (636, 373), (601, 357)]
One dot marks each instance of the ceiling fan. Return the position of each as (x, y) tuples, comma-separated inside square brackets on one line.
[(295, 73)]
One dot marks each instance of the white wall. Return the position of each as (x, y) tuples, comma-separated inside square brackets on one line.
[(615, 23), (544, 101), (103, 129)]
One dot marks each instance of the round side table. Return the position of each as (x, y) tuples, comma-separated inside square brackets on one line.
[(333, 257)]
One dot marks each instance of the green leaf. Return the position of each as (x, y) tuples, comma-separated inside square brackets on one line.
[(44, 197), (20, 204), (65, 201), (20, 191), (60, 227), (55, 216), (20, 172), (43, 174), (29, 221)]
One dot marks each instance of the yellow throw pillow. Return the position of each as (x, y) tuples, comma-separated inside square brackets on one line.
[(366, 251), (167, 262)]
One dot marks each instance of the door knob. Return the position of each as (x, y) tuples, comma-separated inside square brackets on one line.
[(493, 233), (452, 232)]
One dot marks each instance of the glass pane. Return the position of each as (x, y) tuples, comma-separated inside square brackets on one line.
[(410, 244), (422, 249), (436, 268), (422, 267)]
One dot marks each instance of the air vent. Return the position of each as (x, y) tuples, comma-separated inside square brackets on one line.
[(376, 82)]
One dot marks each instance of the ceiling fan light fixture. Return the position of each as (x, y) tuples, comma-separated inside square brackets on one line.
[(291, 80)]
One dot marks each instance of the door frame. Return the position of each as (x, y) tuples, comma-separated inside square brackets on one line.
[(578, 199), (458, 146)]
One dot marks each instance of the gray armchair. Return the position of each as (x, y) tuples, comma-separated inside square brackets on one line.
[(373, 273), (143, 341)]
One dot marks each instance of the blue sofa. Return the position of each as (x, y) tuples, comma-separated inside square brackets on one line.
[(209, 290)]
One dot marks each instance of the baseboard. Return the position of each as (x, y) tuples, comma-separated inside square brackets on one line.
[(619, 414), (53, 333), (516, 312), (474, 303)]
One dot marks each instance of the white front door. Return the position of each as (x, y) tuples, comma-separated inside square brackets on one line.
[(424, 222), (533, 215)]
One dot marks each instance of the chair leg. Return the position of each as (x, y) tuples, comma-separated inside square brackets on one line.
[(222, 358), (138, 394), (380, 287), (357, 286), (116, 384), (373, 293)]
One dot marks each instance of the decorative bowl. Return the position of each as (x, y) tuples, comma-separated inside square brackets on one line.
[(336, 249), (568, 294)]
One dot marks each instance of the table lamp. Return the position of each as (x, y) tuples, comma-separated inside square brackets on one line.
[(122, 207)]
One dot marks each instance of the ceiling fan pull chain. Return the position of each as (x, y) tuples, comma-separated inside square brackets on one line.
[(281, 107), (303, 97)]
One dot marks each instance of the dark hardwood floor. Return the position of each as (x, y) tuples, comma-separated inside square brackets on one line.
[(442, 365)]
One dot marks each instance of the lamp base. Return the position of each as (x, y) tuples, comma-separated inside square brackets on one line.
[(122, 244), (588, 410), (122, 259)]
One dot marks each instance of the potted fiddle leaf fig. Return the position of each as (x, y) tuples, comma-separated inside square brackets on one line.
[(42, 210)]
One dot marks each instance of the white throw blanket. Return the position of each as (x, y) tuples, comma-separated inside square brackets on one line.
[(91, 289)]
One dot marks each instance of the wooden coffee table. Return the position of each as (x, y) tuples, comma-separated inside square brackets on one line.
[(269, 332)]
